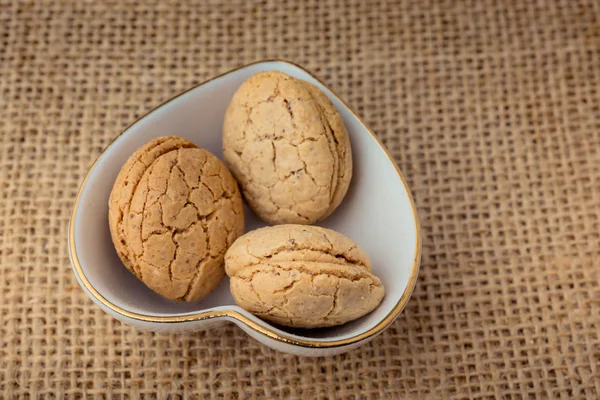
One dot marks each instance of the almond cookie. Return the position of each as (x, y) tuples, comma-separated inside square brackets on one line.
[(173, 212), (287, 146), (302, 276)]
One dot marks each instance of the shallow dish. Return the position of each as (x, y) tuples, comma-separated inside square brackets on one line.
[(378, 213)]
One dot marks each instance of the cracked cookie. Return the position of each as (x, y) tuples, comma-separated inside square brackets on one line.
[(287, 146), (173, 212), (302, 276)]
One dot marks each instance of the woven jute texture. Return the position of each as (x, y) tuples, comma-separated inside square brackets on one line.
[(491, 109)]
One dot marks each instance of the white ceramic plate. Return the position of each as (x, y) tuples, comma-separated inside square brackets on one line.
[(378, 213)]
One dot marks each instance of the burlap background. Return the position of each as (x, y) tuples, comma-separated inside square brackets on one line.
[(491, 108)]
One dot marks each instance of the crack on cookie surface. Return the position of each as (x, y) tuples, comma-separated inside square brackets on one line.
[(195, 278), (335, 299)]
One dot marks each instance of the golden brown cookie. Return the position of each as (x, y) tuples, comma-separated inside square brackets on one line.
[(173, 212), (288, 148), (302, 276), (127, 181)]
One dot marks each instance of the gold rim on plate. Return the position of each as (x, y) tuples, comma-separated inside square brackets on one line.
[(206, 315)]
